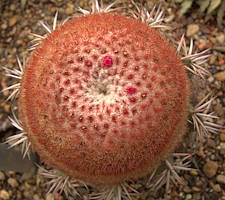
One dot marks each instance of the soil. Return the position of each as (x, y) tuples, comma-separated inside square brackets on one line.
[(19, 18)]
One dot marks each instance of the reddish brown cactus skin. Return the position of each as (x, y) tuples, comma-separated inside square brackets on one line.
[(104, 99)]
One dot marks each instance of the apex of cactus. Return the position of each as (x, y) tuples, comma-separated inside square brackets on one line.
[(104, 99)]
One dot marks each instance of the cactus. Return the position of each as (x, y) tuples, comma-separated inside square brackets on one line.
[(104, 99)]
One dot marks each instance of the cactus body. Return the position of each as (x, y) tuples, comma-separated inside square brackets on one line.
[(104, 99)]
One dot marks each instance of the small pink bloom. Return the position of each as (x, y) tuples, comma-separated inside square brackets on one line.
[(107, 62), (131, 90), (88, 63)]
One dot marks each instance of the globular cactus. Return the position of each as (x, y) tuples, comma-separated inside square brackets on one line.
[(104, 99)]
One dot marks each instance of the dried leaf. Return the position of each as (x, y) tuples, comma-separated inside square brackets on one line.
[(23, 3), (203, 4), (186, 4), (178, 1), (220, 15), (213, 5)]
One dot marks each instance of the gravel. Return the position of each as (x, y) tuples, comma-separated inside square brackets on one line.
[(208, 182)]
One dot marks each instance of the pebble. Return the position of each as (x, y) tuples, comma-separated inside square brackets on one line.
[(49, 197), (220, 38), (18, 195), (211, 79), (220, 178), (188, 196), (19, 42), (4, 26), (210, 169), (197, 196), (222, 146), (4, 195), (13, 182), (28, 194), (212, 59), (2, 176), (196, 189), (69, 9), (13, 20), (6, 108), (36, 197), (217, 188), (192, 29), (12, 7), (221, 62), (211, 143), (187, 189), (194, 172), (220, 76), (212, 39), (11, 173), (222, 137)]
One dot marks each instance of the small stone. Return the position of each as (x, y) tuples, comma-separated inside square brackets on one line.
[(220, 38), (219, 93), (222, 137), (49, 197), (12, 7), (28, 194), (212, 39), (219, 109), (4, 26), (70, 9), (188, 196), (210, 169), (196, 189), (211, 79), (212, 59), (221, 62), (222, 146), (18, 195), (192, 29), (2, 176), (12, 182), (36, 197), (220, 179), (211, 143), (13, 20), (19, 42), (27, 186), (194, 172), (11, 173), (4, 195), (220, 76), (197, 196), (187, 189), (217, 188), (6, 108)]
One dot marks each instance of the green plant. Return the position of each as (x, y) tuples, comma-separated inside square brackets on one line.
[(205, 6)]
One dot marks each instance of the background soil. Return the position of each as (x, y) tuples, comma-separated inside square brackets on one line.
[(208, 183)]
